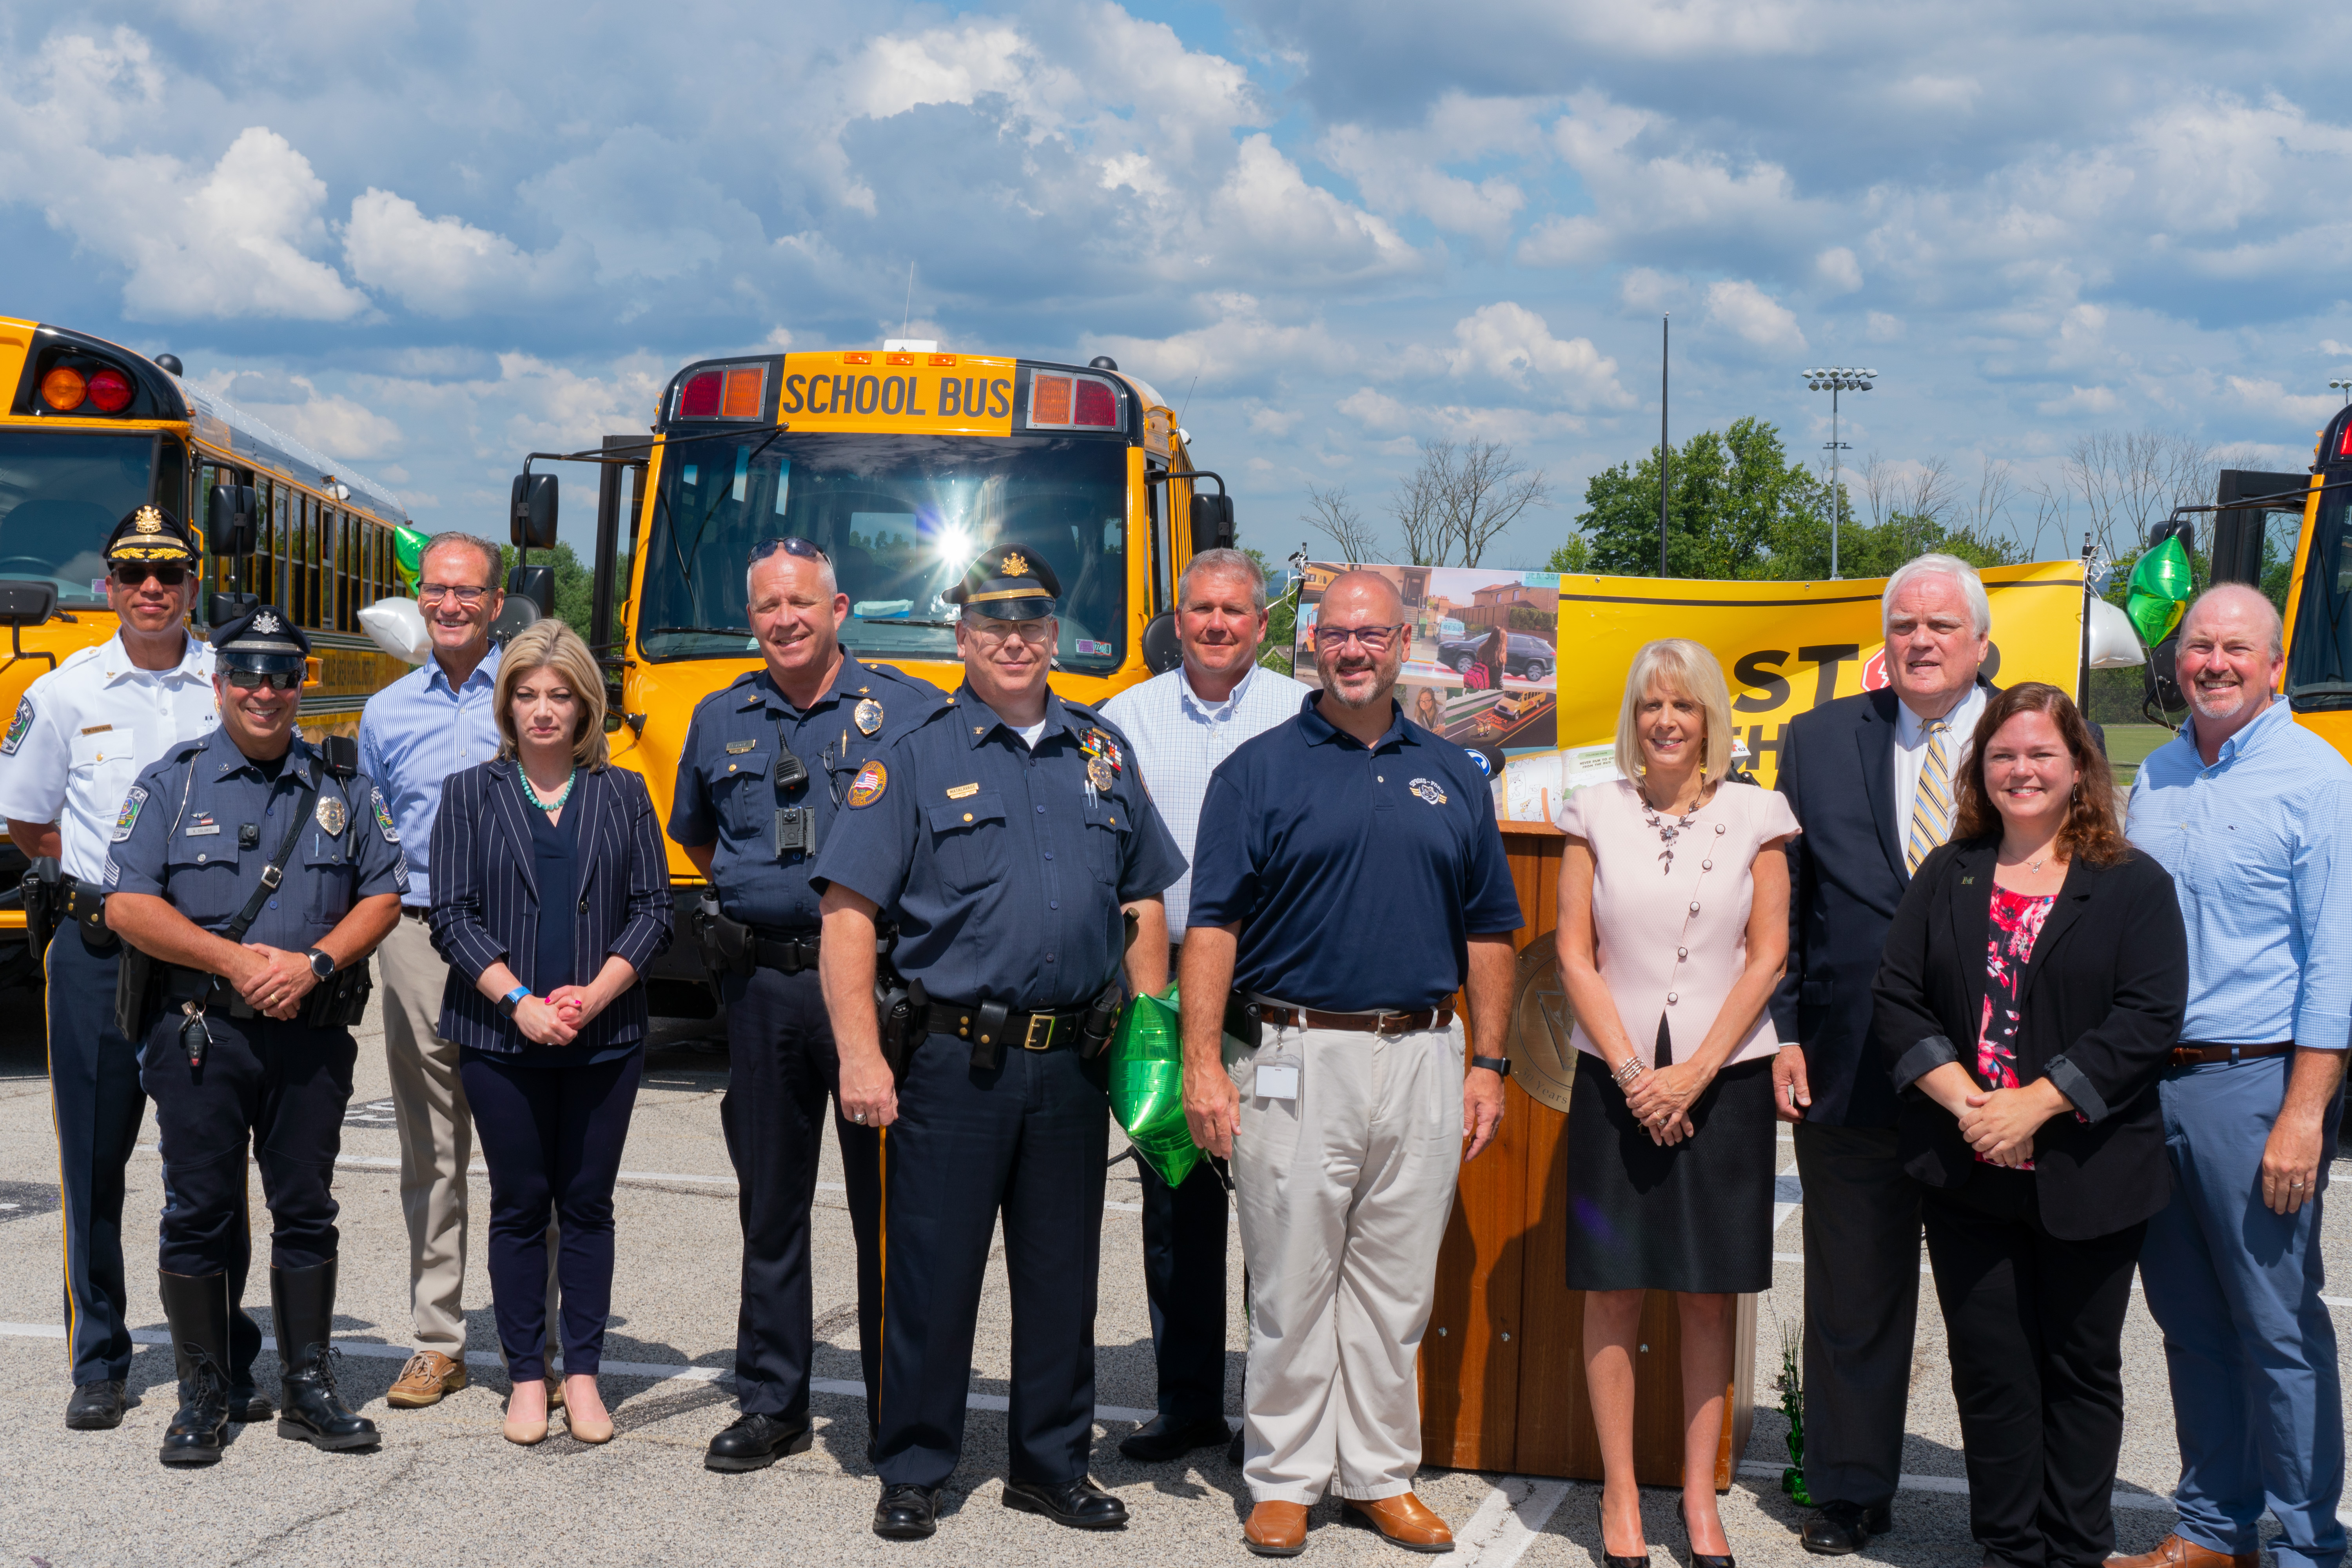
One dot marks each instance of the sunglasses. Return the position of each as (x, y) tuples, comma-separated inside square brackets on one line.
[(790, 544), (250, 679), (1374, 638), (131, 573)]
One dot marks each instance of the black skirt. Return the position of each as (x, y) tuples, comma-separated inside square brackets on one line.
[(1694, 1216)]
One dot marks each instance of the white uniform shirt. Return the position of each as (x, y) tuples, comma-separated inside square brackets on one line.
[(1179, 741), (84, 733), (1911, 754)]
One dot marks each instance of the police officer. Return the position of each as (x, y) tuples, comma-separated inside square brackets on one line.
[(758, 786), (1002, 836), (253, 877), (79, 738)]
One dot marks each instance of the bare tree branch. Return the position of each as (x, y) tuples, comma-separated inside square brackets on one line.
[(1419, 506), (1486, 488), (1331, 512)]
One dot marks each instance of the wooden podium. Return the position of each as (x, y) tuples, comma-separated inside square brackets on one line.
[(1502, 1367)]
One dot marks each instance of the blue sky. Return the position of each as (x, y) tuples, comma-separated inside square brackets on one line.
[(429, 236)]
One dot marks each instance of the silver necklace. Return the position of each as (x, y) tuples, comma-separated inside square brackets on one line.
[(1669, 829)]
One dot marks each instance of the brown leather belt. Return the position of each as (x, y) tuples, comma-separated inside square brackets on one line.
[(1362, 1023), (2192, 1055)]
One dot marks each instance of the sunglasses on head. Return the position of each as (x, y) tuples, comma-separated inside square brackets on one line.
[(130, 573), (790, 544), (275, 680)]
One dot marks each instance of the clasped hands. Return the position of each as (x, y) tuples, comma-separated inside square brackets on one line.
[(1999, 1123), (275, 980), (1661, 1099)]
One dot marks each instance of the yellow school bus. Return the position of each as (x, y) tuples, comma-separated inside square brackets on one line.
[(902, 463), (89, 430), (2318, 678)]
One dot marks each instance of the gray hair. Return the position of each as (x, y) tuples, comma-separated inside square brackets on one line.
[(2247, 594), (1971, 584), (825, 573), (473, 541), (1232, 560)]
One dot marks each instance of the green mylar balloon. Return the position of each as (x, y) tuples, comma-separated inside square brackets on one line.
[(1147, 1086), (2160, 586), (408, 553)]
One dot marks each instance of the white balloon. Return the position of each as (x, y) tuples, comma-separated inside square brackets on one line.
[(2115, 643), (398, 628)]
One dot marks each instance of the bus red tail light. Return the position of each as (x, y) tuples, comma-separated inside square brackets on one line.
[(64, 389), (1095, 406), (110, 391), (2343, 443), (725, 392), (699, 398)]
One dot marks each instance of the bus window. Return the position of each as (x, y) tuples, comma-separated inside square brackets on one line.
[(61, 493), (2319, 662)]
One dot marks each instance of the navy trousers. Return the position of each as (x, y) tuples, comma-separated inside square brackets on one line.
[(1024, 1142), (781, 1067), (1185, 1281), (279, 1089)]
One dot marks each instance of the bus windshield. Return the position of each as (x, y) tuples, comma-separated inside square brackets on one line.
[(901, 517), (61, 493), (2319, 667)]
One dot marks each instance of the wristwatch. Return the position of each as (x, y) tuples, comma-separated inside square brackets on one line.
[(513, 999), (1500, 1066), (322, 965)]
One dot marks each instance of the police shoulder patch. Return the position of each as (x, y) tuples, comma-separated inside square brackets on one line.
[(17, 727), (127, 818), (867, 787), (384, 818)]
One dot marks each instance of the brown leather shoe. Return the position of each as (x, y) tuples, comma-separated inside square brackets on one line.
[(1276, 1530), (2172, 1552), (555, 1390), (1404, 1519), (428, 1375)]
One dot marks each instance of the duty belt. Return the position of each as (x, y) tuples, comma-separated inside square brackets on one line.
[(1045, 1031), (2189, 1054), (782, 950), (1362, 1023), (183, 984)]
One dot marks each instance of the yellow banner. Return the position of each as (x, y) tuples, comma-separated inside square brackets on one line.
[(1785, 647)]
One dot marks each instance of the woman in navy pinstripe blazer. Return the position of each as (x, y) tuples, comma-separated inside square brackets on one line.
[(550, 895)]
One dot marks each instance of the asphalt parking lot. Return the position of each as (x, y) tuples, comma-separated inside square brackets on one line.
[(446, 1487)]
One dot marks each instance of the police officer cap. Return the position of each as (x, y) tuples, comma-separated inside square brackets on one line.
[(267, 641), (1010, 582), (151, 533)]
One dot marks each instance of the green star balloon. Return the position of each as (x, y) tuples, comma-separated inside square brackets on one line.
[(1147, 1086), (408, 553), (2160, 586)]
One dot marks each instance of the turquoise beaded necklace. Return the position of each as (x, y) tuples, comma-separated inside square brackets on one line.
[(533, 796)]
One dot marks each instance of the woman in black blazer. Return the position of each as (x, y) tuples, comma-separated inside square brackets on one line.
[(2031, 992), (550, 895)]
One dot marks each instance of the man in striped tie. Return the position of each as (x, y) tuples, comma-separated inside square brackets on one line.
[(1871, 779)]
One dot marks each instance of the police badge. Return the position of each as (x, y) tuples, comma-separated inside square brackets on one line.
[(1100, 775), (332, 816), (868, 715)]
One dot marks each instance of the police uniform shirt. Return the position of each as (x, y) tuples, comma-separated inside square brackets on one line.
[(726, 797), (1356, 876), (1003, 866), (84, 731), (179, 839)]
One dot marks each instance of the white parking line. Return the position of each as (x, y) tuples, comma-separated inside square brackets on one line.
[(1508, 1522)]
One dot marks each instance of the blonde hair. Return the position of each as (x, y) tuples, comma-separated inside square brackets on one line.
[(1689, 669), (549, 644)]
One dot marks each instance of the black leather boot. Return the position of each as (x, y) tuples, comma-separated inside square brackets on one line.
[(302, 1304), (196, 1306)]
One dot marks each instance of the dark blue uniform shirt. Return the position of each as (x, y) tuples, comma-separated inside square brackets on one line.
[(177, 838), (1003, 870), (1357, 876), (726, 796)]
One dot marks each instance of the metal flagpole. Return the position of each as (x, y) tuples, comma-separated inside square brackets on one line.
[(1665, 344)]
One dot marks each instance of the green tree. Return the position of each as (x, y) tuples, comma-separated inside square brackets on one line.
[(576, 584), (1576, 555)]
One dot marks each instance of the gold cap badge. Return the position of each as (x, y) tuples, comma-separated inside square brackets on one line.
[(147, 520), (1015, 564)]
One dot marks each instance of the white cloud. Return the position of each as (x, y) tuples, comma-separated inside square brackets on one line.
[(1754, 315), (1513, 344), (2270, 399), (1838, 269), (1648, 292), (331, 422), (2082, 400), (437, 266), (1402, 171), (1242, 342), (1882, 328)]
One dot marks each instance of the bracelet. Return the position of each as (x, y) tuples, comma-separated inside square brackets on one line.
[(1628, 1071)]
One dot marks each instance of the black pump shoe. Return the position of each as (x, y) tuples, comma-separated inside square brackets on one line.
[(1700, 1559), (302, 1304), (196, 1306), (1080, 1504), (907, 1513), (1615, 1559), (755, 1442)]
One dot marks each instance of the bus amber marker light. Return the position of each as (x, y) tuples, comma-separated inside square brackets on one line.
[(1072, 401), (734, 394)]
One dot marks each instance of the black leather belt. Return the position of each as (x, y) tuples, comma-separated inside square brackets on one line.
[(1047, 1031), (783, 951), (420, 913), (2189, 1054), (1362, 1023), (183, 984)]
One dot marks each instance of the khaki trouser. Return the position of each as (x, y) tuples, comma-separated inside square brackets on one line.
[(1343, 1197), (437, 1143)]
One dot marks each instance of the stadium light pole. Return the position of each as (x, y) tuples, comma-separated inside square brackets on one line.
[(1833, 380), (2343, 386)]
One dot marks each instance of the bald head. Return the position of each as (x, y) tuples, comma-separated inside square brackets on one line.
[(2239, 604), (1368, 589), (1357, 675), (2228, 662)]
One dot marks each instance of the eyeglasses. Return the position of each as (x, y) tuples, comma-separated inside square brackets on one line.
[(1330, 639), (790, 544), (275, 680), (130, 573), (433, 592), (994, 632)]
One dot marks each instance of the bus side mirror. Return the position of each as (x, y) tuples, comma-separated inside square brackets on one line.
[(1212, 522), (534, 511), (226, 606), (228, 520), (1162, 651), (26, 604), (536, 584)]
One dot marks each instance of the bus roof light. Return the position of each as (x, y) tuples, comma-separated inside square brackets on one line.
[(1049, 400), (2343, 443), (111, 390), (699, 398), (744, 390), (1072, 400), (1095, 406), (64, 389)]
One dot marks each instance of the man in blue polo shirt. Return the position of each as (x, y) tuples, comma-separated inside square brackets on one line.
[(1348, 880)]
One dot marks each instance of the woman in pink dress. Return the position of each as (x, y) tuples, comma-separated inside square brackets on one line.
[(1674, 926)]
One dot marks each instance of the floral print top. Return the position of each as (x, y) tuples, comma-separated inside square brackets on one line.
[(2016, 921)]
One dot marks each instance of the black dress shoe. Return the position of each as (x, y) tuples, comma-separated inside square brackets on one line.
[(907, 1513), (1160, 1439), (755, 1442), (1843, 1527), (96, 1406), (1080, 1504), (247, 1404)]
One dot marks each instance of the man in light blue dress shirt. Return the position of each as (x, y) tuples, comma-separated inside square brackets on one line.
[(1182, 725), (2250, 813), (415, 733)]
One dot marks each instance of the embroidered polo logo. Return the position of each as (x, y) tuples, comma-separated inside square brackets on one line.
[(1428, 791), (867, 787)]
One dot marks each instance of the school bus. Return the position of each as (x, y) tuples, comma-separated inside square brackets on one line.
[(88, 431), (902, 464), (2317, 682)]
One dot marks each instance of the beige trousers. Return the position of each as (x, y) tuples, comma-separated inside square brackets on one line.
[(1343, 1195), (437, 1143)]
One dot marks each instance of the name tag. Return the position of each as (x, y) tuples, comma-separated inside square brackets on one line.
[(203, 826), (1277, 1080)]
